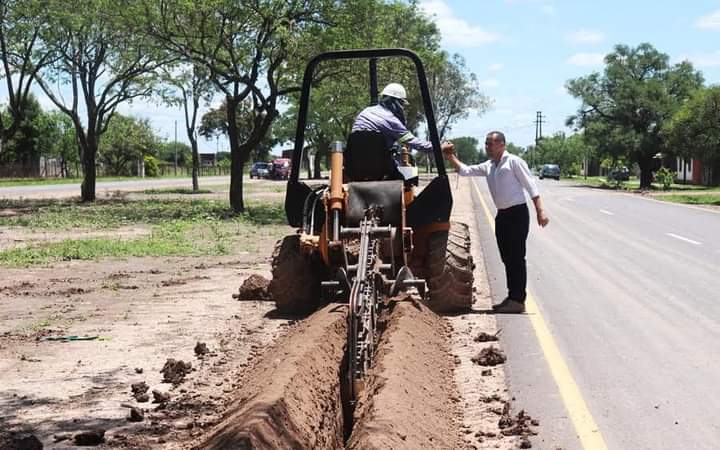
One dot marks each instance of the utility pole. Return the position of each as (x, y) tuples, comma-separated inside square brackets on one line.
[(538, 136), (175, 147)]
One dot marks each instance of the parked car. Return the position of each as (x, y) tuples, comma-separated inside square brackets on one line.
[(550, 171), (260, 170), (280, 169), (619, 174)]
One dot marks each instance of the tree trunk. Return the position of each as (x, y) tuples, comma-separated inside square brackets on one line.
[(87, 189), (646, 165), (237, 157), (195, 163), (316, 168), (237, 166)]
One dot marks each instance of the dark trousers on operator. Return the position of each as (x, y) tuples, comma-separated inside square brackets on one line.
[(511, 230)]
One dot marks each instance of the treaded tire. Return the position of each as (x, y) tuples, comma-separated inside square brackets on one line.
[(295, 284), (449, 269)]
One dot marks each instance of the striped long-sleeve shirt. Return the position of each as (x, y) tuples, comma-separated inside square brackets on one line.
[(377, 118)]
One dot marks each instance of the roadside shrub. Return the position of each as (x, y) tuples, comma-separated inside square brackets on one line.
[(152, 169), (665, 176)]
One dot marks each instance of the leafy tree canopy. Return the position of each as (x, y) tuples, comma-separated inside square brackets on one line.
[(631, 102)]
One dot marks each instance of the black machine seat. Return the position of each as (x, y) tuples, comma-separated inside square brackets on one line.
[(367, 158), (386, 196)]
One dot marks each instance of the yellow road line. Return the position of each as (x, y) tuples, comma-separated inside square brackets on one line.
[(585, 426)]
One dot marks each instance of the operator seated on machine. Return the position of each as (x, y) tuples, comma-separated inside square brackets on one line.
[(387, 118)]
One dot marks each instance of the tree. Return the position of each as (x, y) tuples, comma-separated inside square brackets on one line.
[(341, 93), (455, 93), (193, 86), (213, 124), (24, 147), (251, 50), (466, 148), (58, 140), (567, 152), (632, 100), (126, 141), (103, 62), (23, 55), (694, 130), (168, 151), (514, 149)]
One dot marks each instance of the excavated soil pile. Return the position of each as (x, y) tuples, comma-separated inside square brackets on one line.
[(291, 399), (409, 401), (518, 426), (255, 287), (174, 371), (490, 356)]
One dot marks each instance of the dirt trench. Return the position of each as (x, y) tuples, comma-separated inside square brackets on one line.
[(292, 398)]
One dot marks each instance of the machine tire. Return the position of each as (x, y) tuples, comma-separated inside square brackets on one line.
[(449, 269), (295, 284)]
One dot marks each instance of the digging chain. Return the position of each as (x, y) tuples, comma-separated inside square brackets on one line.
[(363, 308)]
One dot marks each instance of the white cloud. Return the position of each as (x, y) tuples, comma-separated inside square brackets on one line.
[(561, 90), (706, 60), (497, 66), (585, 37), (586, 59), (490, 83), (710, 21), (456, 31)]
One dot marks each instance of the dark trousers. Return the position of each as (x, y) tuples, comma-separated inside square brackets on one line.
[(511, 231)]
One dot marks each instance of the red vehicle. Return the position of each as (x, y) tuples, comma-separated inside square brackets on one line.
[(280, 169)]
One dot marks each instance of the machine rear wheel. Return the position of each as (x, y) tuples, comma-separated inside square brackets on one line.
[(449, 269), (295, 284)]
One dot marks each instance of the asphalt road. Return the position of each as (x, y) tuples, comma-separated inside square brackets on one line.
[(630, 290), (73, 190)]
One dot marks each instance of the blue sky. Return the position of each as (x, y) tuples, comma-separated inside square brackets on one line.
[(523, 52)]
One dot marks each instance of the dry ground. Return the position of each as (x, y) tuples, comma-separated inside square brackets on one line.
[(136, 313)]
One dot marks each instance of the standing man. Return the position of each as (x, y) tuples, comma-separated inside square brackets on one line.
[(507, 177)]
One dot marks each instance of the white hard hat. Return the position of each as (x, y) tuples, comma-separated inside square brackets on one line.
[(395, 90)]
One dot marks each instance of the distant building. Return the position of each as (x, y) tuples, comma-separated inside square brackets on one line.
[(208, 159)]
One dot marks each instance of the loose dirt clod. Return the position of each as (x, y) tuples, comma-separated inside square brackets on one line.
[(136, 415), (174, 371), (139, 391), (95, 437), (201, 349), (160, 397), (255, 287), (29, 442), (490, 356), (517, 426), (485, 337)]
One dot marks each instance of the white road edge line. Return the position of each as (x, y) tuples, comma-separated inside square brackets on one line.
[(607, 212), (683, 239)]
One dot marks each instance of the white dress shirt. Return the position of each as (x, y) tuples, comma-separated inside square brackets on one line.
[(506, 179)]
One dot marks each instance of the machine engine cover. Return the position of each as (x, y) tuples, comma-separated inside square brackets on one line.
[(386, 194)]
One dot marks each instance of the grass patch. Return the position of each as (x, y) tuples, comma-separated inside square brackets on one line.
[(634, 184), (179, 228), (696, 199), (10, 182), (186, 191), (115, 213)]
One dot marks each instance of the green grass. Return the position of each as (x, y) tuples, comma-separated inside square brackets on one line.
[(696, 199), (634, 184), (115, 213), (9, 182), (179, 228), (187, 191)]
